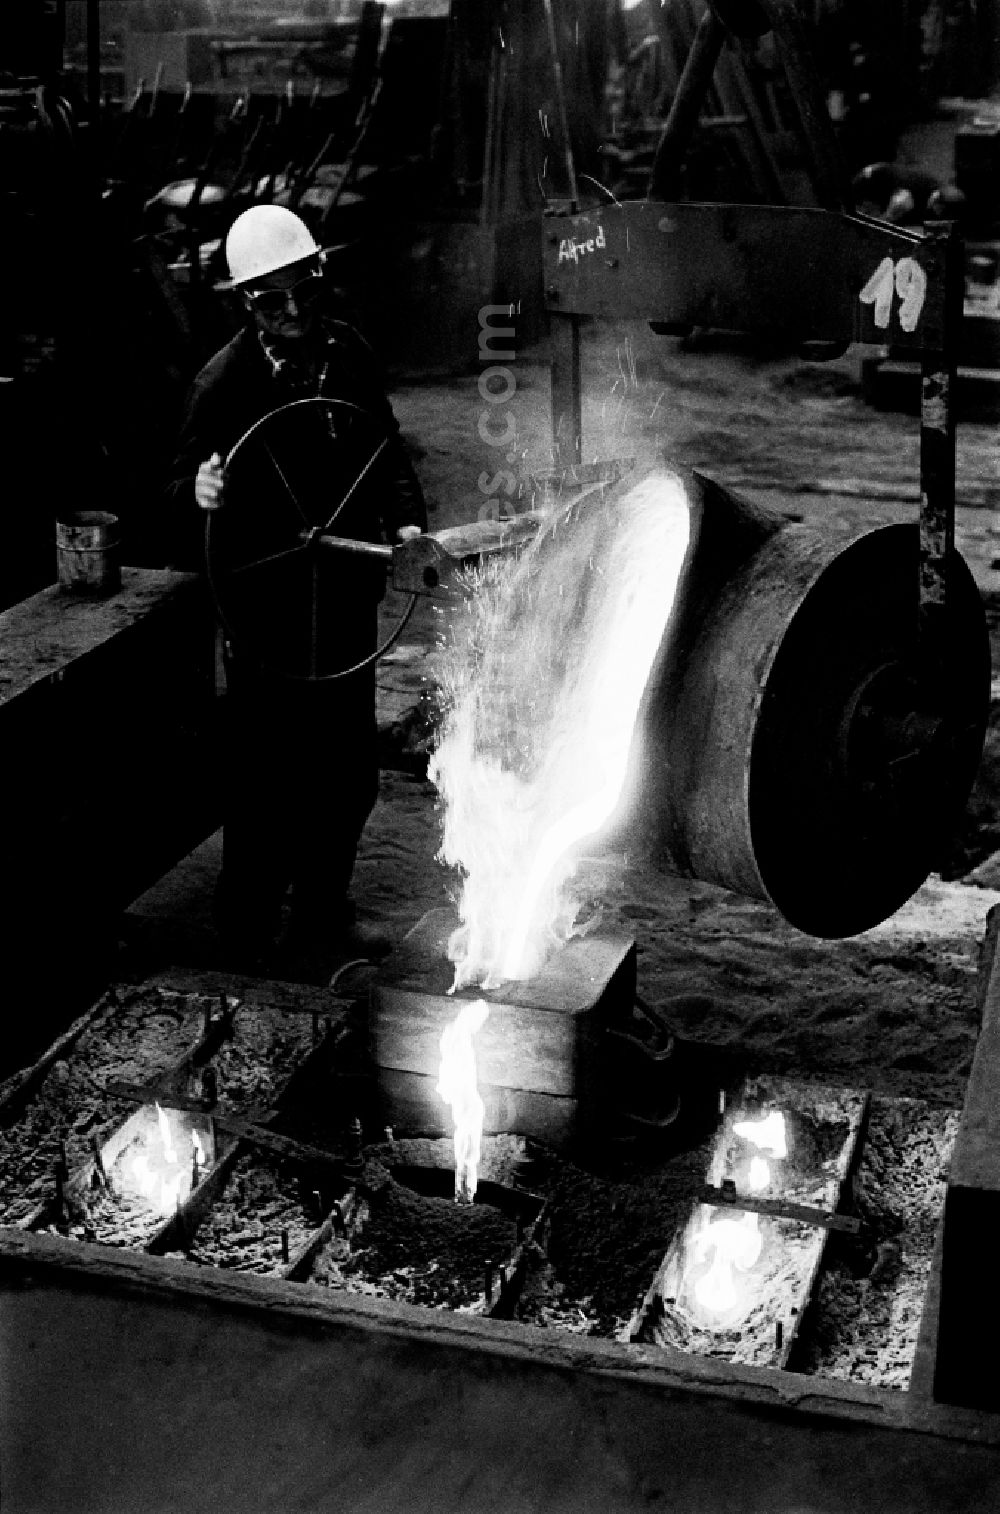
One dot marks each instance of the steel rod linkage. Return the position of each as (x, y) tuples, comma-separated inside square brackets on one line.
[(937, 462)]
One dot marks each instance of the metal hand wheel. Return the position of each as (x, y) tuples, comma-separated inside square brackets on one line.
[(288, 592)]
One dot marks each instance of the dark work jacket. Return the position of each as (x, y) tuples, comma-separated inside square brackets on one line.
[(289, 474)]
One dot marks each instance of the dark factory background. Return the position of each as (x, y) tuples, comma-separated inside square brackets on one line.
[(413, 137)]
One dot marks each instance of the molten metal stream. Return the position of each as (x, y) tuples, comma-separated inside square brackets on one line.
[(457, 1085), (543, 673)]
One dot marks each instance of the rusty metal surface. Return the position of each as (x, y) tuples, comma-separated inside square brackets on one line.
[(788, 272), (808, 1214), (937, 500), (937, 461)]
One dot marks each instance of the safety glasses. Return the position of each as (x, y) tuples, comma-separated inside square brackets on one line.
[(276, 301)]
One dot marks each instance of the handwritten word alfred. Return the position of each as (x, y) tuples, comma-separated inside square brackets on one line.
[(573, 251)]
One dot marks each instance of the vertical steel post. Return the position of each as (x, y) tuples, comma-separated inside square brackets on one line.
[(56, 60), (94, 64), (567, 396), (827, 167), (937, 457), (560, 92), (678, 129)]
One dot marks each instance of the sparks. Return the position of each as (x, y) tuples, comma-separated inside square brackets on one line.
[(543, 677)]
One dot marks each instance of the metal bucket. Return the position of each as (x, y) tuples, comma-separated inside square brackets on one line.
[(87, 553)]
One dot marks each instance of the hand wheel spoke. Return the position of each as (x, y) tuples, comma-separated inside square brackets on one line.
[(263, 562), (288, 488), (238, 608), (377, 453), (314, 621)]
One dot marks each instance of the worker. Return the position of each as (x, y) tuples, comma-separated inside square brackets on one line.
[(301, 775)]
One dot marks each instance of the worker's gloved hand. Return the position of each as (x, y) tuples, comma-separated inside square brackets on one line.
[(208, 483), (407, 533)]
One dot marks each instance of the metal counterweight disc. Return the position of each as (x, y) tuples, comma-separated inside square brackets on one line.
[(860, 765)]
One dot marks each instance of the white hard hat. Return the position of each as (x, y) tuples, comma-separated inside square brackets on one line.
[(264, 239)]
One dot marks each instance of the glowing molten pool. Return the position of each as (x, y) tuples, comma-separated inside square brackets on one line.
[(543, 673), (766, 1134), (734, 1247), (159, 1172)]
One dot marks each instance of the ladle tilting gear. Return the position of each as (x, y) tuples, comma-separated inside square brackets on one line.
[(303, 538), (423, 565)]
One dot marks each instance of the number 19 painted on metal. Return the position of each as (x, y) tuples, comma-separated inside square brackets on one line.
[(908, 281)]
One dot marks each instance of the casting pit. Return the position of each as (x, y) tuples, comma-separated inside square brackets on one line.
[(402, 1235), (138, 1179), (134, 1118), (244, 1121), (53, 1113), (738, 1277), (628, 1247), (282, 1230)]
